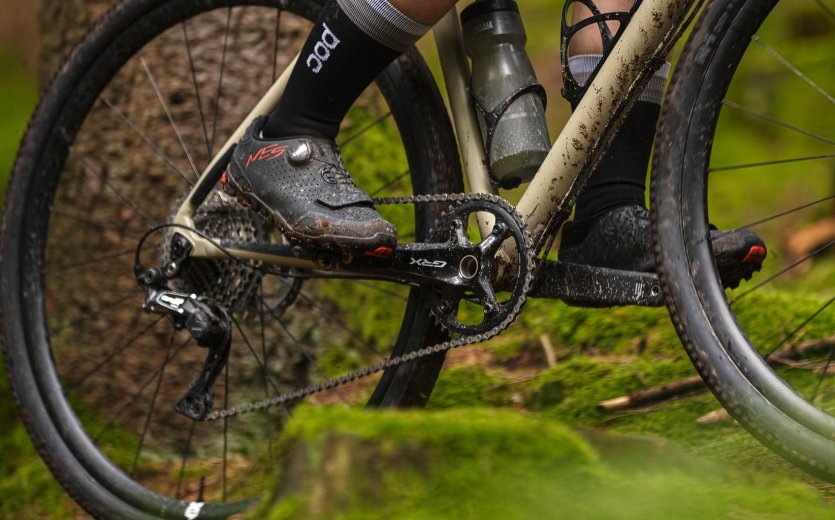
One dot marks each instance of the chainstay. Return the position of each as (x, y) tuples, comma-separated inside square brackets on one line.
[(302, 393)]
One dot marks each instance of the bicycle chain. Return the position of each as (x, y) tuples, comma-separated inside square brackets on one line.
[(526, 249)]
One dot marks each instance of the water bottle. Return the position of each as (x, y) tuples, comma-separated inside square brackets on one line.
[(509, 101)]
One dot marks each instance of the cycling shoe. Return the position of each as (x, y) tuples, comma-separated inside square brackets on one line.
[(622, 239), (302, 184)]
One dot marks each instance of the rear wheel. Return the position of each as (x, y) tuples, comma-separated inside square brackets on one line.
[(134, 115), (746, 141)]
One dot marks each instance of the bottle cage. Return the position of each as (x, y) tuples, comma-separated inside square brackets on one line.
[(572, 90), (491, 121)]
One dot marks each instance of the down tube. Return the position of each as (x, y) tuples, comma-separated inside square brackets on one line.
[(584, 136)]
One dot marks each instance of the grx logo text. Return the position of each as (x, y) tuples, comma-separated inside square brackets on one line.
[(322, 50), (437, 264)]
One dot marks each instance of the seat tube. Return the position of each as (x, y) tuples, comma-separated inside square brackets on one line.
[(456, 71)]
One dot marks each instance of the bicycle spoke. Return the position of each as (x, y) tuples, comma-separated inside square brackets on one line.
[(225, 427), (219, 92), (170, 117), (108, 307), (365, 129), (151, 407), (261, 364), (783, 271), (305, 350), (334, 319), (90, 261), (380, 290), (788, 212), (92, 171), (266, 362), (182, 472), (769, 119), (124, 409), (826, 9), (113, 354), (783, 61), (797, 329), (197, 91), (95, 225), (162, 155), (824, 371), (770, 163), (390, 183)]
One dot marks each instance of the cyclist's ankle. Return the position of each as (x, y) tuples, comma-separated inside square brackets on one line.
[(620, 177), (348, 47)]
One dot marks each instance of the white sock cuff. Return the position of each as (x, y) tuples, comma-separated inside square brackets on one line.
[(582, 66), (384, 22)]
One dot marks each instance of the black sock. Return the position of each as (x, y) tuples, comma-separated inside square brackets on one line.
[(338, 61), (620, 177)]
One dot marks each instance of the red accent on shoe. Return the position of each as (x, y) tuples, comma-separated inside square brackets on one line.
[(380, 252), (267, 153), (756, 255), (223, 179)]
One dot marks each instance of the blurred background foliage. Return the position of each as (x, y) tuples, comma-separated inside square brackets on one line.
[(600, 353)]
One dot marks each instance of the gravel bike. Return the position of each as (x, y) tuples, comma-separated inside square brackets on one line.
[(126, 269)]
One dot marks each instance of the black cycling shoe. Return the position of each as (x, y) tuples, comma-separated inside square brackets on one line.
[(622, 239), (302, 184)]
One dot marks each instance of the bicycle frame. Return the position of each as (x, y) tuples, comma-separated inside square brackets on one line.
[(548, 199)]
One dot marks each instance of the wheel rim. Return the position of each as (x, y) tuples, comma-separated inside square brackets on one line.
[(798, 151)]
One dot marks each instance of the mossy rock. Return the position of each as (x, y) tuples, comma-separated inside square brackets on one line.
[(489, 463)]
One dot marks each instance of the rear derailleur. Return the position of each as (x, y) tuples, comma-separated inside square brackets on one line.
[(208, 323)]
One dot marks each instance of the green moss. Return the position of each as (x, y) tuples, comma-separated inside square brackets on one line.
[(572, 390), (619, 330), (27, 488), (19, 93), (472, 385), (477, 463)]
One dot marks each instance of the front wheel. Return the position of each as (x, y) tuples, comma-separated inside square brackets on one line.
[(746, 141), (134, 115)]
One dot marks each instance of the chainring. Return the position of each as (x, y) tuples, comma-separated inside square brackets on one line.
[(483, 307)]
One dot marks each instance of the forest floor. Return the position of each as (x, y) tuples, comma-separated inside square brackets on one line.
[(512, 426)]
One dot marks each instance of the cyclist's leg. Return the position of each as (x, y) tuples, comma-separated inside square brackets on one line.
[(611, 226), (612, 204), (307, 190)]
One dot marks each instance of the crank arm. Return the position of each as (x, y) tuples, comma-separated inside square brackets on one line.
[(588, 286), (446, 266)]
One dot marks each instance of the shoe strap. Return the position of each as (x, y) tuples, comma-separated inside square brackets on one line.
[(344, 197)]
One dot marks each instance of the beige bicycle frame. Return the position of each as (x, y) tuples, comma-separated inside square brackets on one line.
[(549, 196)]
